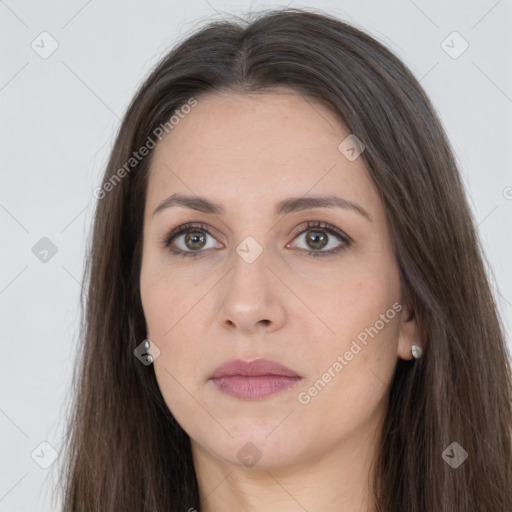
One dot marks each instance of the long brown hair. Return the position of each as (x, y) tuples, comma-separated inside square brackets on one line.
[(124, 451)]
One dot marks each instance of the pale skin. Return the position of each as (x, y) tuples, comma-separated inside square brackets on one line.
[(247, 153)]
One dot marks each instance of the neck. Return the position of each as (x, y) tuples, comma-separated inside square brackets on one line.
[(337, 480)]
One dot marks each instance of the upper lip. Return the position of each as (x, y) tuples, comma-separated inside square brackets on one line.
[(253, 368)]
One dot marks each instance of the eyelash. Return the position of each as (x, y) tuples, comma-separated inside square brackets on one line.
[(331, 230)]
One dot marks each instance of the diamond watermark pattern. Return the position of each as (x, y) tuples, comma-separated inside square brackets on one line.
[(249, 249), (44, 250), (44, 455), (454, 45), (147, 352), (249, 454), (454, 455), (44, 45), (351, 147)]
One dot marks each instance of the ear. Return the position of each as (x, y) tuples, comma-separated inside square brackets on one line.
[(409, 334)]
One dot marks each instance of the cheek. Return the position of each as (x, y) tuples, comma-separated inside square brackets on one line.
[(169, 317), (360, 309), (170, 322), (354, 369), (353, 295), (166, 302)]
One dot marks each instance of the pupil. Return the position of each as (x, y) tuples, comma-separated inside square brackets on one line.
[(316, 239), (195, 238)]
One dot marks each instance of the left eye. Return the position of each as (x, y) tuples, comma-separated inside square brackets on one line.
[(319, 236)]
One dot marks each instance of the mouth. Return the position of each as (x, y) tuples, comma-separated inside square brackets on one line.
[(253, 380)]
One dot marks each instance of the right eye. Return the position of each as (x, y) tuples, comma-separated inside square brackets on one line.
[(188, 240)]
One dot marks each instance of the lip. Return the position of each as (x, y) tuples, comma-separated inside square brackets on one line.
[(253, 380)]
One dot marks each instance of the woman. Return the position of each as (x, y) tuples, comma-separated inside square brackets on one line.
[(287, 307)]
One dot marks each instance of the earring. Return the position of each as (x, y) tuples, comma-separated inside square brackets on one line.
[(147, 345), (416, 351)]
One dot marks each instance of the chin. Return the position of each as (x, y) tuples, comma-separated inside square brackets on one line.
[(260, 448)]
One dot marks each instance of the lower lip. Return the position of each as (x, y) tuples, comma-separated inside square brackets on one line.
[(254, 388)]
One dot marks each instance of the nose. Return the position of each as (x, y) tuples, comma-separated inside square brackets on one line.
[(252, 297)]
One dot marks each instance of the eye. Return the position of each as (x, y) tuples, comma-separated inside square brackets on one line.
[(188, 240), (317, 236)]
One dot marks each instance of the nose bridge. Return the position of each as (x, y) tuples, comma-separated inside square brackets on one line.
[(249, 297), (250, 260)]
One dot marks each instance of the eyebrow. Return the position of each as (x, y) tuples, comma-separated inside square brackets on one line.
[(289, 205)]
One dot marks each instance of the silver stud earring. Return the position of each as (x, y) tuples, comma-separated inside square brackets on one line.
[(147, 345), (416, 351)]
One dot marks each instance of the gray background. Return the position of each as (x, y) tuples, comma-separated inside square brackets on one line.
[(58, 118)]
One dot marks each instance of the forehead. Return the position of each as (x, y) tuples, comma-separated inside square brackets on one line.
[(235, 126), (257, 146)]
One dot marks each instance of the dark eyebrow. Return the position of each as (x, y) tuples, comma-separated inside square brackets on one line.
[(200, 204), (292, 204), (296, 204)]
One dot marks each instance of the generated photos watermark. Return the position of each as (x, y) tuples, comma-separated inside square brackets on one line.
[(143, 151), (305, 397)]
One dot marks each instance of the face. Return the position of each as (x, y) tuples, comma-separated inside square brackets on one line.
[(263, 272)]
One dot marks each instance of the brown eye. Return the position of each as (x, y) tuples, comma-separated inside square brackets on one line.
[(189, 240), (195, 240), (318, 236), (317, 239)]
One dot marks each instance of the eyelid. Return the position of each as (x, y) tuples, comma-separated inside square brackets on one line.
[(310, 225)]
